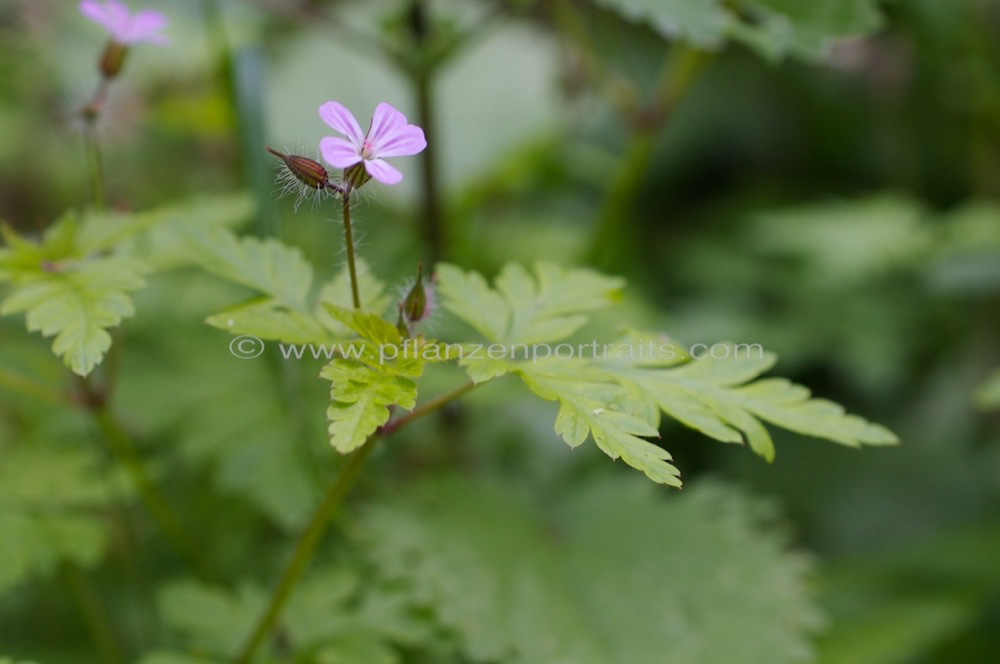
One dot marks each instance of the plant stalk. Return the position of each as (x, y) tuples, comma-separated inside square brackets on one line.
[(349, 245), (334, 497)]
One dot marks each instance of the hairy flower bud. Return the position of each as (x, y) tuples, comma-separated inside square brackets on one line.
[(418, 303), (414, 305), (307, 171), (113, 59)]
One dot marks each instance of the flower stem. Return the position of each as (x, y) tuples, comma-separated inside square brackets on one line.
[(95, 165), (334, 497), (349, 244)]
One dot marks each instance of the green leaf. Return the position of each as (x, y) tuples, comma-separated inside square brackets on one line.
[(804, 29), (609, 573), (360, 397), (328, 614), (269, 319), (773, 28), (267, 265), (48, 512), (211, 620), (25, 260), (522, 309), (701, 22), (374, 373), (604, 410), (77, 303)]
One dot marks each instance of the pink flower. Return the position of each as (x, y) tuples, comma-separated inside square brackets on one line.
[(125, 27), (388, 136)]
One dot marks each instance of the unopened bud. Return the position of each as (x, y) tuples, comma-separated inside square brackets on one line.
[(417, 304), (307, 171), (113, 58)]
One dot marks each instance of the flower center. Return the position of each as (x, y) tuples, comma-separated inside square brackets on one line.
[(367, 150)]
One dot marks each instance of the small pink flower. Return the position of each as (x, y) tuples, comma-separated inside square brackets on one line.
[(125, 27), (389, 135)]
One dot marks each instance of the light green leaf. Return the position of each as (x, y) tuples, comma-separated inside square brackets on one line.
[(523, 309), (610, 572), (717, 397), (77, 303), (269, 319), (361, 394), (48, 512), (267, 265), (604, 410)]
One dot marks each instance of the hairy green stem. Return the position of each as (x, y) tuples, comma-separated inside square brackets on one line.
[(349, 245), (334, 497), (94, 615)]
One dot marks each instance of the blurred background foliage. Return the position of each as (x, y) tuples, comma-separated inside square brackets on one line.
[(820, 178)]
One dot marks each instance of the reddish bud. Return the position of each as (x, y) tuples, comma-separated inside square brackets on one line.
[(307, 171), (113, 59)]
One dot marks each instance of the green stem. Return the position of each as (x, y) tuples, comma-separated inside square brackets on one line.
[(334, 497), (349, 245), (612, 234), (124, 450), (428, 407), (306, 548), (94, 614), (95, 165)]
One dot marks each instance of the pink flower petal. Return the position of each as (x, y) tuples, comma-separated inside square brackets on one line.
[(338, 117), (109, 13), (383, 172), (339, 152), (146, 25), (385, 122), (406, 141)]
